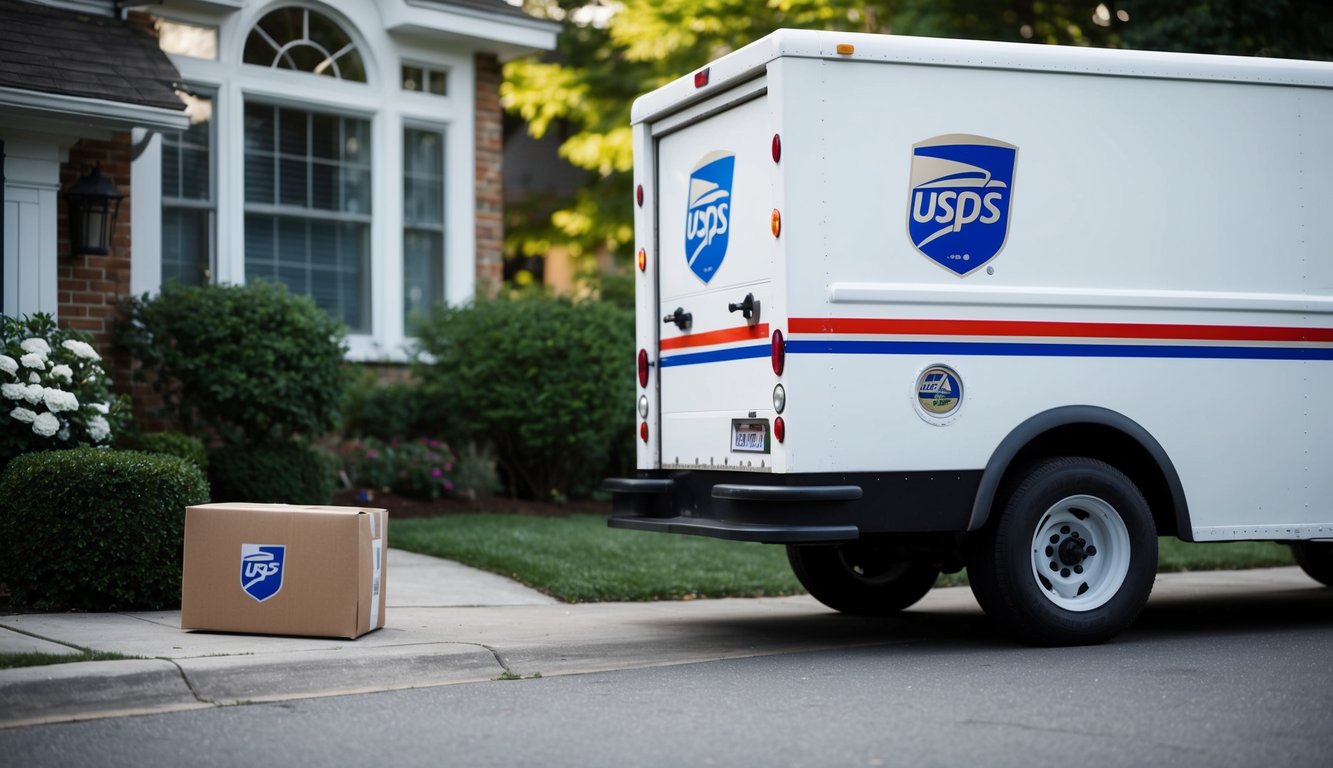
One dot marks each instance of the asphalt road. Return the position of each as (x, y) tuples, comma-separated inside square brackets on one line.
[(1211, 682)]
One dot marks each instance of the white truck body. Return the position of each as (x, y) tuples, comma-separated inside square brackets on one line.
[(1120, 254)]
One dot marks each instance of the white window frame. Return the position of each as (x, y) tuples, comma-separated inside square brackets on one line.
[(389, 109)]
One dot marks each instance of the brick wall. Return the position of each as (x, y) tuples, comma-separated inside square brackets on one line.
[(88, 287), (489, 175)]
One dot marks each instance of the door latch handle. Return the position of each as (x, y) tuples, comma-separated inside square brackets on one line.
[(749, 308), (681, 318)]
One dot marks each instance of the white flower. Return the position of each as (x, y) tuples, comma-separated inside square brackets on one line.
[(13, 391), (22, 414), (46, 424), (64, 372), (58, 400), (34, 360), (34, 378), (63, 434), (81, 349), (36, 345), (9, 365), (101, 408), (34, 393), (98, 429)]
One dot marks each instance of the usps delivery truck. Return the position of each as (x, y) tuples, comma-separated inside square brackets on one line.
[(907, 306)]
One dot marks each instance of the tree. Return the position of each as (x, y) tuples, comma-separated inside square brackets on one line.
[(611, 53)]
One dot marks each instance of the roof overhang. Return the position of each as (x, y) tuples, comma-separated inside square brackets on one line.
[(508, 35), (37, 111)]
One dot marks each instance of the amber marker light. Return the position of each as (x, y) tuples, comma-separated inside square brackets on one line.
[(846, 49), (643, 260), (776, 223)]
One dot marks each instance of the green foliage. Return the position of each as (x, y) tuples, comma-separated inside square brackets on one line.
[(17, 660), (609, 54), (422, 468), (578, 559), (546, 382), (276, 473), (176, 444), (53, 391), (95, 530), (252, 363), (384, 410)]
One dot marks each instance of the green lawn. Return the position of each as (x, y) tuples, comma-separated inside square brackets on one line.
[(579, 559), (16, 660)]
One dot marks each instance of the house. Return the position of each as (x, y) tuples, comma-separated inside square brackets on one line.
[(350, 149)]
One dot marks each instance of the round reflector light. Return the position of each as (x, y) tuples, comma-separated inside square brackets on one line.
[(643, 367), (643, 431), (778, 352), (779, 399), (779, 429), (643, 406)]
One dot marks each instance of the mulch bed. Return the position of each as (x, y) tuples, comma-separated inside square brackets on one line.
[(402, 507)]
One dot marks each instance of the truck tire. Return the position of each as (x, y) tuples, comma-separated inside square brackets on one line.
[(860, 578), (1070, 555), (1316, 559)]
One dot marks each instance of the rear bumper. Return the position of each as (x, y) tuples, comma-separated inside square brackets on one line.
[(793, 509)]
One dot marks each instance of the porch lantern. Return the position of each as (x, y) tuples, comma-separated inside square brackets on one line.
[(93, 202)]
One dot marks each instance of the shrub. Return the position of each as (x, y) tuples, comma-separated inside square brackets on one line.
[(253, 362), (548, 383), (53, 391), (281, 473), (387, 411), (94, 529), (176, 444), (422, 468)]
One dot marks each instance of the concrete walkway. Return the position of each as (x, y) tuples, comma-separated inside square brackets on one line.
[(447, 623)]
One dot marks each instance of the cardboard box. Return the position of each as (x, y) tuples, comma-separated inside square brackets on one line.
[(282, 569)]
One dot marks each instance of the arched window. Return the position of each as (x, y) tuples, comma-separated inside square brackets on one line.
[(306, 41)]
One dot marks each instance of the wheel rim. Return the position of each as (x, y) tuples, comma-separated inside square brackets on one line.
[(1080, 553)]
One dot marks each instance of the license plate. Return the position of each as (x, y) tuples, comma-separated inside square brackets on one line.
[(749, 436)]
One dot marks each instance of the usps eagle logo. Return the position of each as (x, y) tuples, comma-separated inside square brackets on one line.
[(958, 208), (261, 569), (708, 213)]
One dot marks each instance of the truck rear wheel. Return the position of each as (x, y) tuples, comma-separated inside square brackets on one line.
[(1316, 559), (1070, 556), (860, 578)]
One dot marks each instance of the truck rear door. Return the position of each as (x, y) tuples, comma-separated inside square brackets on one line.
[(717, 190)]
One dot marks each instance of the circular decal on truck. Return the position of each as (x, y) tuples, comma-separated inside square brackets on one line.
[(939, 394)]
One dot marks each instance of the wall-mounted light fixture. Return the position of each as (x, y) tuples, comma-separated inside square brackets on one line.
[(93, 202)]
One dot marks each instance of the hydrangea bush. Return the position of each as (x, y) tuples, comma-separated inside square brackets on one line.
[(53, 390)]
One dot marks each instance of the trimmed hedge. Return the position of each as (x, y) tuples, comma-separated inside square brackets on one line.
[(546, 382), (252, 363), (95, 530), (176, 444), (279, 473)]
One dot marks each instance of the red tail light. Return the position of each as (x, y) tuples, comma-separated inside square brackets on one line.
[(777, 148), (701, 78), (638, 195), (643, 431), (643, 367), (779, 353), (779, 429)]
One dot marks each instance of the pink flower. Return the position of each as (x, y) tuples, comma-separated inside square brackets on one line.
[(448, 467), (437, 472), (372, 454), (448, 485)]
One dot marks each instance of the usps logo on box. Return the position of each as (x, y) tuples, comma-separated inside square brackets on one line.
[(958, 209), (261, 569), (708, 213)]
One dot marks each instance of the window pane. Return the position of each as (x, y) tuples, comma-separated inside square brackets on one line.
[(292, 185), (306, 41), (187, 195), (423, 221), (194, 174), (413, 79), (185, 245), (259, 128), (319, 243), (439, 82)]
